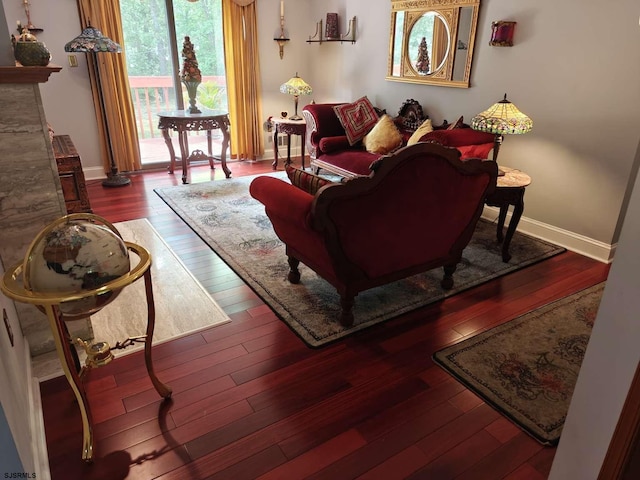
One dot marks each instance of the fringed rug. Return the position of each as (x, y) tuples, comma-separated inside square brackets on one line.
[(527, 368), (236, 227)]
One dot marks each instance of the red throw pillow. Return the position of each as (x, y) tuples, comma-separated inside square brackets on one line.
[(457, 124), (475, 151), (334, 144), (356, 118), (306, 181)]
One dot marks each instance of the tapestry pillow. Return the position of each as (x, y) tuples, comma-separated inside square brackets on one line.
[(306, 181), (356, 118), (383, 138), (423, 129), (475, 151), (334, 144), (457, 124)]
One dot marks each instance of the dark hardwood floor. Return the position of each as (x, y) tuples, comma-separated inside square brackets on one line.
[(252, 401)]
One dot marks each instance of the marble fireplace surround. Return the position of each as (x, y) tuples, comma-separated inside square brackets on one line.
[(30, 192)]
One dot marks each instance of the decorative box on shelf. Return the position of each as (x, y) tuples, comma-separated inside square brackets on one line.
[(350, 36)]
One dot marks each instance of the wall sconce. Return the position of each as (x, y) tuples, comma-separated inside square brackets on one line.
[(502, 33), (282, 39)]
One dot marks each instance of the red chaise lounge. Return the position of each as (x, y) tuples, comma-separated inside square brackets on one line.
[(415, 212)]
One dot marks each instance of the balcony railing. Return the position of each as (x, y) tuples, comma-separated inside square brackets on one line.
[(155, 94)]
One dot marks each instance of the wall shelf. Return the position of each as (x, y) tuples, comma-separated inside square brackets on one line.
[(350, 36)]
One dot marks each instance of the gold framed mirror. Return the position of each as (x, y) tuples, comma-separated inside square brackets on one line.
[(431, 41)]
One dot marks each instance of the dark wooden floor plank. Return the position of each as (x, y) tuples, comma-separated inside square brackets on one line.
[(251, 400)]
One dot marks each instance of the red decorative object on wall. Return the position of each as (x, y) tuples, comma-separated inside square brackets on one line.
[(502, 33)]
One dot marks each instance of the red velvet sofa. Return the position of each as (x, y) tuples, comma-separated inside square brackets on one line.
[(329, 149), (416, 211)]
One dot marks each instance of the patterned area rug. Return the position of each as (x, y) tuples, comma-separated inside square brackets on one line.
[(236, 227), (527, 368)]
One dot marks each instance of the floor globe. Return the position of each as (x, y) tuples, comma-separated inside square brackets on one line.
[(72, 256)]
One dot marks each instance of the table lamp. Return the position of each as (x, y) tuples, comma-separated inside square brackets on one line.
[(500, 119), (296, 86), (91, 40)]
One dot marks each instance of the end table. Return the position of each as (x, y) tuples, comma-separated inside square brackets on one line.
[(183, 122), (288, 127), (509, 191)]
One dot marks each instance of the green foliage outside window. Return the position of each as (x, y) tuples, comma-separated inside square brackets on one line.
[(146, 37)]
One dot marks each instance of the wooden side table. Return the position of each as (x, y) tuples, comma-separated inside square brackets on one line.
[(182, 122), (288, 127), (509, 191)]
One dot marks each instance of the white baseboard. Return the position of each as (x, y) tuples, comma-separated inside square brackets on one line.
[(571, 241), (93, 173), (36, 422)]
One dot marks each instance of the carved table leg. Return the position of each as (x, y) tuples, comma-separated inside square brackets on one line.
[(223, 154), (210, 149), (172, 153), (288, 162), (184, 152), (275, 148)]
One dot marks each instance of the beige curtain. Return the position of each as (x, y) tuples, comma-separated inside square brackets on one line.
[(114, 82), (243, 78)]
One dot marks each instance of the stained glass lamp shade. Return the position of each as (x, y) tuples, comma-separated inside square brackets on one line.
[(502, 118), (296, 86), (91, 40)]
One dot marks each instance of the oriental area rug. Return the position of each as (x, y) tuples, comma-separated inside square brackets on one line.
[(527, 368), (235, 226)]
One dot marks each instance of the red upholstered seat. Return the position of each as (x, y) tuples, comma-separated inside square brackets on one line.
[(416, 212), (330, 150)]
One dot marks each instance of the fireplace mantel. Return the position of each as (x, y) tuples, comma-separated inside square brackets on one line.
[(20, 74)]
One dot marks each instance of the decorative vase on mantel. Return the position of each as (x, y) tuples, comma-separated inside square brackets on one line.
[(29, 51), (191, 76)]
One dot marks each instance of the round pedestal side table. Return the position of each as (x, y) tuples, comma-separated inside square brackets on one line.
[(509, 191)]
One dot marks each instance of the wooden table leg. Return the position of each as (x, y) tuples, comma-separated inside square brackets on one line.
[(275, 148), (172, 153), (504, 208), (288, 149), (518, 208), (302, 141), (184, 151), (210, 149), (223, 154)]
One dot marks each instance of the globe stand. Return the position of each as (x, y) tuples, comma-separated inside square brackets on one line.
[(13, 287)]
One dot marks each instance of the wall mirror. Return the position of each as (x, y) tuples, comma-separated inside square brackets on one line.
[(431, 41)]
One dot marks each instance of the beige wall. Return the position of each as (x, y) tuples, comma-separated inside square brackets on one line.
[(579, 87)]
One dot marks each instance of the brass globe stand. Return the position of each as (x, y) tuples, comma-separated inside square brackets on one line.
[(98, 353)]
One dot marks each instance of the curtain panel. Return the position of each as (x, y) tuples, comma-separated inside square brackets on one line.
[(114, 81), (242, 67)]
